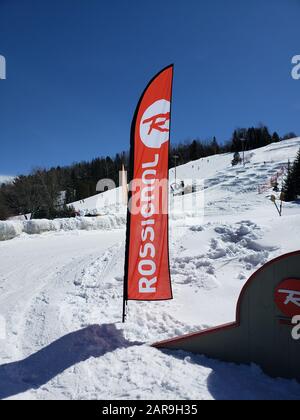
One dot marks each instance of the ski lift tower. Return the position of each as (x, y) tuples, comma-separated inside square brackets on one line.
[(243, 140), (175, 157)]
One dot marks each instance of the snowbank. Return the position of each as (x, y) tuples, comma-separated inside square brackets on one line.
[(12, 229), (9, 230), (6, 179)]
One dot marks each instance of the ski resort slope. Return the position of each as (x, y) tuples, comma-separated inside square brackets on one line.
[(215, 174), (61, 293)]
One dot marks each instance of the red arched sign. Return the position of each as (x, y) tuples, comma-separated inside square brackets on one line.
[(272, 293)]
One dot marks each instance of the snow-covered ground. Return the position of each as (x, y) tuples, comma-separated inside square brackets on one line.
[(61, 292), (6, 178)]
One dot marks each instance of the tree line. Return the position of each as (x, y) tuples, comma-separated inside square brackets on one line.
[(44, 193)]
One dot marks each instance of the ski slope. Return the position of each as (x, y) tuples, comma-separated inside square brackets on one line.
[(61, 292), (220, 180)]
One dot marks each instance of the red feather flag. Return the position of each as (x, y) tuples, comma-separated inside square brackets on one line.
[(147, 272)]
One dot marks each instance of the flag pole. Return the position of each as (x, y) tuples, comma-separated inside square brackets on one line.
[(156, 100), (124, 311)]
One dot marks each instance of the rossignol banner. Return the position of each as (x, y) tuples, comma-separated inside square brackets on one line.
[(147, 273)]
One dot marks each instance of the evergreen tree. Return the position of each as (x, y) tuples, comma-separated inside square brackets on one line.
[(215, 146), (193, 151), (289, 136), (236, 143), (291, 187), (275, 138), (265, 136), (4, 210), (236, 159)]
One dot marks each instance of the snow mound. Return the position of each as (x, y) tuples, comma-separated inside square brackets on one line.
[(241, 240), (12, 229), (6, 179), (9, 230)]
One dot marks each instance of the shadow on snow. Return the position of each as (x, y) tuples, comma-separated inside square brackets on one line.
[(39, 368), (229, 381)]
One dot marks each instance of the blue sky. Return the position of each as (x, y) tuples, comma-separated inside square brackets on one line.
[(76, 69)]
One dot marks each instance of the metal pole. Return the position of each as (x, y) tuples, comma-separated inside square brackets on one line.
[(124, 311), (175, 157), (243, 143)]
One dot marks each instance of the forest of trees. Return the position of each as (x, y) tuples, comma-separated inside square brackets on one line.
[(40, 193)]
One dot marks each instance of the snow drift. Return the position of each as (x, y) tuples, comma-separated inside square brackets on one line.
[(12, 229)]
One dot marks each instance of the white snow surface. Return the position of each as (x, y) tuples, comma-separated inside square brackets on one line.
[(61, 286), (6, 179)]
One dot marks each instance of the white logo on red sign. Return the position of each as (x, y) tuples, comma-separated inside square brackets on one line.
[(287, 297), (155, 124), (292, 296)]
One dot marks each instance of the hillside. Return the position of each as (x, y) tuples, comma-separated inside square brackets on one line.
[(220, 181)]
